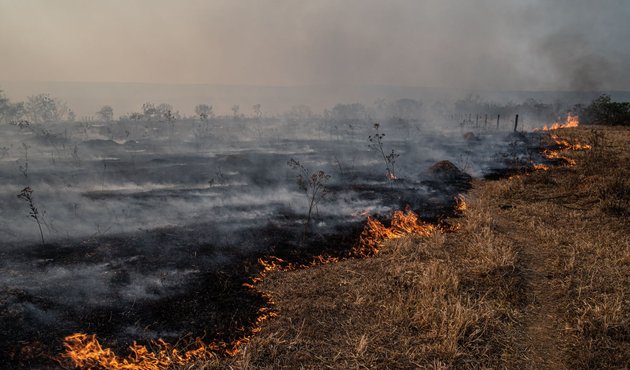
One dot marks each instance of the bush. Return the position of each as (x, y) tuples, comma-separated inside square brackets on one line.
[(604, 111)]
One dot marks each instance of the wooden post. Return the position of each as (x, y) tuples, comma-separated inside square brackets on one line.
[(485, 122), (498, 119), (515, 123)]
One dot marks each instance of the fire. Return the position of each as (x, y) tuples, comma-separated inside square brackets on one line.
[(85, 351), (375, 233), (552, 154), (565, 144), (558, 145), (460, 203), (571, 121)]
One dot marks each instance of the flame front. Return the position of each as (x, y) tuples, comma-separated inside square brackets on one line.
[(85, 351), (571, 121), (375, 233)]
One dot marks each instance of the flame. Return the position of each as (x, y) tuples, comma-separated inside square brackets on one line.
[(375, 233), (560, 144), (391, 176), (552, 154), (460, 203), (565, 144), (571, 121), (85, 351)]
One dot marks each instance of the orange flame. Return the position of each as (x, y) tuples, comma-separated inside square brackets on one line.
[(460, 203), (565, 144), (571, 121), (375, 233), (85, 351), (552, 154)]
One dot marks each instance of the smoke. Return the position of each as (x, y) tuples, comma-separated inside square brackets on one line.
[(483, 45), (582, 46)]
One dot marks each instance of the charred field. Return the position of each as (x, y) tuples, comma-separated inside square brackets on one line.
[(152, 230)]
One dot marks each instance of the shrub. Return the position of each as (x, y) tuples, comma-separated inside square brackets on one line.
[(604, 111)]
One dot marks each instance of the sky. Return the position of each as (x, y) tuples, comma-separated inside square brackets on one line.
[(484, 44)]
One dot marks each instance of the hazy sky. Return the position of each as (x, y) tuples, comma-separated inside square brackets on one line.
[(490, 44)]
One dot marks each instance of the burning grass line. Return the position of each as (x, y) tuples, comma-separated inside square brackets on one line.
[(563, 145), (85, 351), (571, 121), (560, 143)]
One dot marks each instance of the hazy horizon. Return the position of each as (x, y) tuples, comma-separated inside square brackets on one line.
[(283, 53), (488, 44)]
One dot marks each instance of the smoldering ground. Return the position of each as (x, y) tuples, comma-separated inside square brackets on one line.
[(150, 228)]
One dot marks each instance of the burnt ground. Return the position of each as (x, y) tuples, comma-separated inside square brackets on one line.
[(204, 297), (213, 305)]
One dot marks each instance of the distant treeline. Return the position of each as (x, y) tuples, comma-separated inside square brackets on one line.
[(602, 110)]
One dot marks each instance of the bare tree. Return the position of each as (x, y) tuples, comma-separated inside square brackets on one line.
[(235, 110), (313, 184), (257, 111), (204, 111), (106, 113)]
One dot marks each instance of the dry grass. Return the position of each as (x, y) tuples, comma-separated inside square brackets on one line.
[(538, 276)]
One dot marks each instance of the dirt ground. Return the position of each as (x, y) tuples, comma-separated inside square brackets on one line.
[(536, 276)]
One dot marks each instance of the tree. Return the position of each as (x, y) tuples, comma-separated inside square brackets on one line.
[(149, 111), (235, 109), (10, 112), (44, 108), (604, 111), (204, 111), (106, 113), (165, 111), (257, 111)]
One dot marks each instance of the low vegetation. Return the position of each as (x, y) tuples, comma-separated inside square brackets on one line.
[(605, 111)]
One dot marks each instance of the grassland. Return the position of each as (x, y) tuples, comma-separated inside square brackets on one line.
[(537, 276)]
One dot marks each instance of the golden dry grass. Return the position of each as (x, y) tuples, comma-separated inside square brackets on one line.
[(537, 276)]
